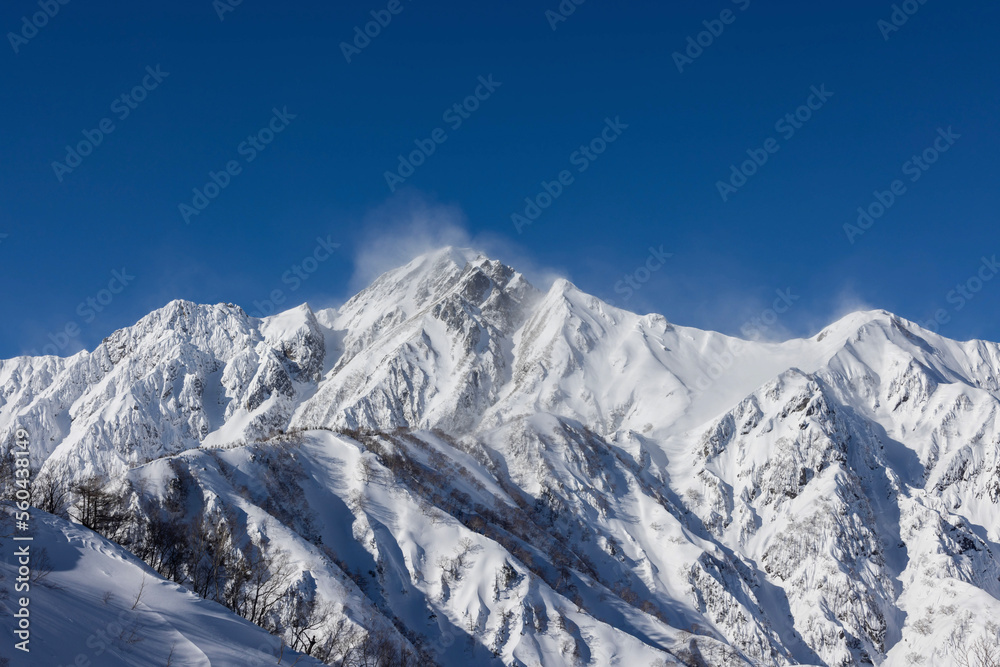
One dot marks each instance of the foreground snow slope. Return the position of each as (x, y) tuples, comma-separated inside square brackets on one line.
[(87, 606), (482, 470)]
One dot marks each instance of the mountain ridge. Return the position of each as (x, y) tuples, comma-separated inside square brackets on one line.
[(672, 494)]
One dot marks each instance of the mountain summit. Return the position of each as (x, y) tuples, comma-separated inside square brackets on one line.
[(466, 467)]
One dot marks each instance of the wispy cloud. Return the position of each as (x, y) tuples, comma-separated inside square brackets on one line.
[(402, 228), (410, 224)]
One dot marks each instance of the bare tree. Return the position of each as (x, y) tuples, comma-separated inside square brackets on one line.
[(367, 469), (306, 619), (7, 486), (102, 511), (41, 569), (378, 649), (138, 595), (260, 582), (51, 494), (983, 652), (163, 545), (213, 549)]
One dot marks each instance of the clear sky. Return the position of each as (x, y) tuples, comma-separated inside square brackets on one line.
[(634, 115)]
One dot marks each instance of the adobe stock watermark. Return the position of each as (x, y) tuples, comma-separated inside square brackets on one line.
[(562, 13), (901, 13), (122, 107), (109, 639), (248, 149), (21, 453), (87, 310), (915, 168), (757, 326), (754, 328), (296, 274), (581, 158), (786, 126), (634, 280), (696, 44), (963, 293), (454, 116), (31, 25), (381, 18), (223, 7)]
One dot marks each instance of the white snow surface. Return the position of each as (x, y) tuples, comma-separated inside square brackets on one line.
[(100, 605), (662, 494)]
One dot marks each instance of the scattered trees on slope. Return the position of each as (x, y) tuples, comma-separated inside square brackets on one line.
[(212, 554), (984, 651)]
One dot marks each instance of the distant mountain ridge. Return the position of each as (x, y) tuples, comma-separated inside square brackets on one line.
[(483, 469)]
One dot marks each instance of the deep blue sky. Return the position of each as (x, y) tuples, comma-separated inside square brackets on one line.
[(655, 185)]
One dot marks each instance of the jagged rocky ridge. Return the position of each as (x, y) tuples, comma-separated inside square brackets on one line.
[(481, 470)]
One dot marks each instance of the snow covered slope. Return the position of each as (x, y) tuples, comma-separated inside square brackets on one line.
[(100, 605), (473, 468)]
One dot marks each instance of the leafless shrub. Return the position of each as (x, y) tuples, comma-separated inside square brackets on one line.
[(100, 510), (259, 583), (50, 493), (130, 633), (367, 470), (41, 568), (984, 651), (138, 595)]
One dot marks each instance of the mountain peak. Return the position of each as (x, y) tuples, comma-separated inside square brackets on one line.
[(611, 477), (454, 255), (856, 322)]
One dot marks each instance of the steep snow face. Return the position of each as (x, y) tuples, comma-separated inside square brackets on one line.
[(426, 346), (379, 551), (794, 481), (582, 359), (454, 453), (183, 376)]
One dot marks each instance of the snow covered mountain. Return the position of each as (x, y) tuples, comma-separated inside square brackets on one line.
[(469, 468)]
